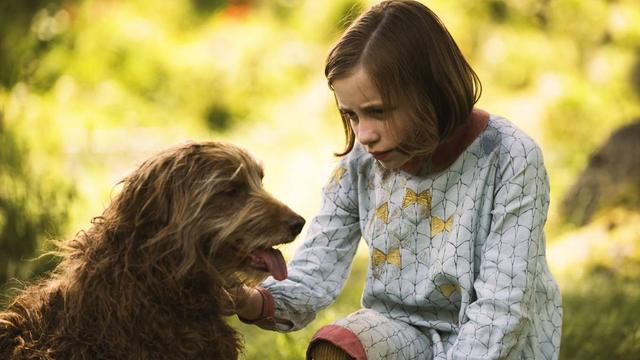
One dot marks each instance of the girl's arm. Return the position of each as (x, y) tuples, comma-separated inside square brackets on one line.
[(512, 265), (322, 263)]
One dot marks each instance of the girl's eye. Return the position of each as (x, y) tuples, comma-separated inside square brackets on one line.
[(349, 115), (377, 112)]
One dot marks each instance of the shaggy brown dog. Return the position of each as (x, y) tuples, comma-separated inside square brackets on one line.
[(148, 280)]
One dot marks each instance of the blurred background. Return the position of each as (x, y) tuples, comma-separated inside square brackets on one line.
[(90, 88)]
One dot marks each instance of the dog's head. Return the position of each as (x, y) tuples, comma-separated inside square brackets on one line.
[(201, 210), (188, 224)]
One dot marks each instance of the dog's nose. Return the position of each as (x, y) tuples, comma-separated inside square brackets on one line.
[(295, 224)]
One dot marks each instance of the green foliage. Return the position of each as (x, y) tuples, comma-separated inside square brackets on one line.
[(88, 88), (576, 124), (19, 46), (346, 13), (600, 268), (32, 208), (218, 118), (207, 6), (602, 317)]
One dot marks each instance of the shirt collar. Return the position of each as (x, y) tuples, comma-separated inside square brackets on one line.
[(449, 150)]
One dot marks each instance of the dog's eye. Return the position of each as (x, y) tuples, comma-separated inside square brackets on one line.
[(234, 190), (231, 192)]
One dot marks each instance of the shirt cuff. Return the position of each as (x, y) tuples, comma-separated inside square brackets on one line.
[(267, 319)]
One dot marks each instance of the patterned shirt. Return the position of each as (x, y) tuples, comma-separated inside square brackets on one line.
[(458, 253)]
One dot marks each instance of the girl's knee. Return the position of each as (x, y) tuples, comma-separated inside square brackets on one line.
[(325, 350), (335, 342)]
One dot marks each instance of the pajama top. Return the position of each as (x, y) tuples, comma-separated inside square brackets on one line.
[(457, 253)]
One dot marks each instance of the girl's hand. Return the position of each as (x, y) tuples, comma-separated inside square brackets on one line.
[(248, 302)]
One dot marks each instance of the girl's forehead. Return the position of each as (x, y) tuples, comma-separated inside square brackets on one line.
[(356, 90)]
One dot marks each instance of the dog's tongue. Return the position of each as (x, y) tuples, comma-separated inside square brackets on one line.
[(272, 260)]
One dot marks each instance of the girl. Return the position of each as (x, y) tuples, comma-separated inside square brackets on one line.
[(450, 200)]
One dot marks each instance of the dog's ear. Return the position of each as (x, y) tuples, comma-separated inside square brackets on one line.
[(166, 202), (178, 204), (145, 199)]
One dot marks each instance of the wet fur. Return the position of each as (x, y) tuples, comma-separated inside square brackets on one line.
[(148, 279)]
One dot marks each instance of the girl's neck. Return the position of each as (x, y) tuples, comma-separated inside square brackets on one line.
[(414, 165), (450, 149)]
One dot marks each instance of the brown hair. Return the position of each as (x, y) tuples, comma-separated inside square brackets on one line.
[(413, 61), (154, 265)]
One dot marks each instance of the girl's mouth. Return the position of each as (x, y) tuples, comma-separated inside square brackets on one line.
[(381, 155)]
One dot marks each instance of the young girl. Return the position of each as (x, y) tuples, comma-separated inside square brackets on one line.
[(450, 200)]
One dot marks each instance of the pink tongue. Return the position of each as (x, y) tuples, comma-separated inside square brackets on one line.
[(272, 260)]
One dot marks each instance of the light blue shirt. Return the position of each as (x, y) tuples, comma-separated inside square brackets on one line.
[(459, 254)]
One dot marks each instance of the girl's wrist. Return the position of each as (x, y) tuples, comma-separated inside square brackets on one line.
[(251, 308)]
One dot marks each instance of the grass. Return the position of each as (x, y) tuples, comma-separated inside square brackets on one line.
[(602, 317)]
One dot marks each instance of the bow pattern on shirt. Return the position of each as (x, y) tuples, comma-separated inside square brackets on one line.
[(439, 225), (382, 212), (411, 197), (379, 258)]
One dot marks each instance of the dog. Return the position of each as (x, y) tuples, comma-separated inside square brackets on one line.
[(150, 278)]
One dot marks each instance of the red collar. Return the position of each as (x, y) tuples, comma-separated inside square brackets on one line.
[(449, 150)]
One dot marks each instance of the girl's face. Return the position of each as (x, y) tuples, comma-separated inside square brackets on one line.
[(360, 102)]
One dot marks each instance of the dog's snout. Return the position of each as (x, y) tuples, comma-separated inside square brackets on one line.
[(295, 224)]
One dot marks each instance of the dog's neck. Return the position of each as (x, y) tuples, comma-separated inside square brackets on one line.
[(139, 308)]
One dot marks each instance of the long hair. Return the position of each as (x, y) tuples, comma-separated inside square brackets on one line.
[(146, 262), (414, 62)]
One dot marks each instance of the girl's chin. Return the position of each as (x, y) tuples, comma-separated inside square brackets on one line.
[(398, 162)]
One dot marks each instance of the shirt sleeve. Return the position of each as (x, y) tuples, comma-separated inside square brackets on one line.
[(496, 324), (322, 263)]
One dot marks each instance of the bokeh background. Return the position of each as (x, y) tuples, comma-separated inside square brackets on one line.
[(89, 88)]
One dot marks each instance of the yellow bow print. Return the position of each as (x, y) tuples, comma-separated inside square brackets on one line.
[(337, 174), (393, 257), (439, 225), (448, 289), (411, 197), (382, 213)]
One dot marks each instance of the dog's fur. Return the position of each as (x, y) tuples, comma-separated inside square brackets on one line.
[(148, 280)]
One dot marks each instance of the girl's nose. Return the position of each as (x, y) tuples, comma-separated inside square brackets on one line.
[(367, 133)]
